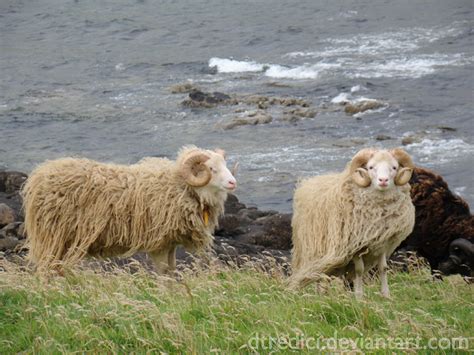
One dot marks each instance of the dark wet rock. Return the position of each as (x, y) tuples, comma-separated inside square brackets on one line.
[(262, 105), (231, 225), (233, 205), (11, 181), (209, 70), (362, 106), (201, 99), (183, 88), (255, 99), (297, 114), (7, 215), (251, 231), (14, 202), (289, 101), (383, 137), (216, 97), (10, 185), (8, 243), (254, 213), (447, 128), (275, 84), (411, 139), (14, 229), (291, 118)]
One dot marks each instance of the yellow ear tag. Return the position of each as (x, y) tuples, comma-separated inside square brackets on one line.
[(205, 216)]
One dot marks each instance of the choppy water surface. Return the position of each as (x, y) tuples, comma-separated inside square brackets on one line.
[(92, 79)]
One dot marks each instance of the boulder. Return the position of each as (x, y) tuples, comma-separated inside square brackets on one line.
[(11, 181), (201, 99), (361, 106), (251, 119), (183, 88), (15, 229), (411, 139), (8, 243), (7, 214)]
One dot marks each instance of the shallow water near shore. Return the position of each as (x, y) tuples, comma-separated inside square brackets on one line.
[(92, 80)]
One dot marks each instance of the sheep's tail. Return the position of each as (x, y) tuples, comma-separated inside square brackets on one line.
[(315, 271)]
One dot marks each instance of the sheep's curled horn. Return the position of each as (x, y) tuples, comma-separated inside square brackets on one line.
[(406, 164), (194, 171), (361, 176)]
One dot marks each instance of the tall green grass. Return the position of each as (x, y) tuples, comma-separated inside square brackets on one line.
[(229, 310)]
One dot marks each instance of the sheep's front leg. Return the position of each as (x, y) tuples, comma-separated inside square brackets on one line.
[(383, 275), (161, 260), (359, 274), (172, 258)]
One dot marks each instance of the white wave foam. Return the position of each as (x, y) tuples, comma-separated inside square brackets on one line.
[(440, 151), (387, 54), (404, 40), (301, 72), (235, 66), (343, 97), (120, 67), (414, 67)]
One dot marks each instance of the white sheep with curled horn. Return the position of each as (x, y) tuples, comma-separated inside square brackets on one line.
[(78, 207), (345, 224)]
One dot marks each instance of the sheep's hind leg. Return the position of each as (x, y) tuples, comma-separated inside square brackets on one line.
[(358, 280), (383, 275), (161, 260)]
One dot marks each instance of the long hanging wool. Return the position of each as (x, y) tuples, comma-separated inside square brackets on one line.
[(335, 220), (77, 207)]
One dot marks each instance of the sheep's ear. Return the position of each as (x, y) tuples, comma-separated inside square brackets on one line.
[(235, 168), (403, 176), (220, 152), (361, 177)]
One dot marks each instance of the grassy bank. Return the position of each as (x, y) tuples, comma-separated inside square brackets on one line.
[(227, 310)]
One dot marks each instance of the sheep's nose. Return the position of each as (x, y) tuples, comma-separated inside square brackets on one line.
[(383, 181), (232, 183)]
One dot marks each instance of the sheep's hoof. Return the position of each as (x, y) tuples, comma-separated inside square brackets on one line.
[(359, 296), (386, 295)]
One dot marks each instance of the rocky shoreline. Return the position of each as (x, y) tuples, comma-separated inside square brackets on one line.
[(263, 109)]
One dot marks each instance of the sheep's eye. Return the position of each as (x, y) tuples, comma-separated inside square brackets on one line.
[(394, 167), (371, 167), (213, 170)]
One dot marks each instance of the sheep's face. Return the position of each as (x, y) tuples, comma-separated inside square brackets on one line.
[(382, 169), (221, 177)]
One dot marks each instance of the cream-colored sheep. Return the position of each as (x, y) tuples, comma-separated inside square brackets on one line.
[(78, 207), (345, 224)]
